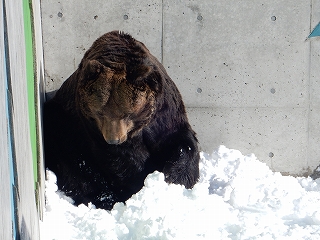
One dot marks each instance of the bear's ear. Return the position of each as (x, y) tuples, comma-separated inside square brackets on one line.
[(91, 68)]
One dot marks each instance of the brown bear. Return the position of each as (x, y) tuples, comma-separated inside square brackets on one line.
[(116, 119)]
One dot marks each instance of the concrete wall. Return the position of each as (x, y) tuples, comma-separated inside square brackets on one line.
[(246, 72), (21, 166)]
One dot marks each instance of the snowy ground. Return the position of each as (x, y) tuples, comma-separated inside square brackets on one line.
[(237, 197)]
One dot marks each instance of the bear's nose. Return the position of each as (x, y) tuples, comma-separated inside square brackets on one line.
[(115, 142)]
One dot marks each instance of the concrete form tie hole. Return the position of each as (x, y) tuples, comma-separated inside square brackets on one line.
[(273, 18), (271, 154), (125, 17), (273, 91), (199, 90)]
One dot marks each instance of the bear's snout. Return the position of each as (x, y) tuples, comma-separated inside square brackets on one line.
[(115, 131), (113, 142)]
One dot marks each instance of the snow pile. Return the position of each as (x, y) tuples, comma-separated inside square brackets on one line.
[(237, 197)]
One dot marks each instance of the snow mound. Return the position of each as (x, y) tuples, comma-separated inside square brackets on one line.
[(237, 197)]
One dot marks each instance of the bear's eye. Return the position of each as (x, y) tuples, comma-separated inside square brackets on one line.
[(140, 88), (91, 90), (91, 76), (100, 114)]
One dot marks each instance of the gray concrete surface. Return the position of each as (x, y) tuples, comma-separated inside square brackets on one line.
[(245, 70), (70, 27), (314, 74)]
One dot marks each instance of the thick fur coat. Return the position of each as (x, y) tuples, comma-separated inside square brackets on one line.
[(116, 119)]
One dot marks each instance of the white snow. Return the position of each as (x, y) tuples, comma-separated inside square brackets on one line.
[(237, 197)]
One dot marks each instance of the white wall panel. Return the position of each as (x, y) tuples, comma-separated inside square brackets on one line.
[(28, 224), (7, 218)]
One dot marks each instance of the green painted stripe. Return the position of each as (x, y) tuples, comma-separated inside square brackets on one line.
[(28, 32)]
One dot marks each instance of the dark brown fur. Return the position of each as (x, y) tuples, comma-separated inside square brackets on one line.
[(117, 118)]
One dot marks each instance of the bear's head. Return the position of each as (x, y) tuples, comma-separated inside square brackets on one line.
[(120, 99)]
